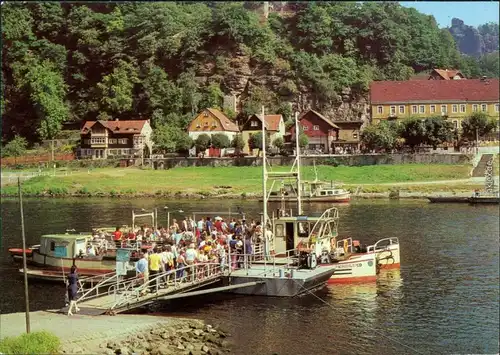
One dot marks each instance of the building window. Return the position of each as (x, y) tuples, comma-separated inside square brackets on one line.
[(315, 128), (122, 141), (443, 108), (206, 124), (455, 124), (305, 128), (214, 124), (354, 136), (454, 108), (421, 109), (401, 109), (112, 141), (380, 110), (98, 140), (462, 108), (433, 108), (253, 124), (198, 125), (393, 110), (484, 107), (414, 109), (497, 107), (205, 114), (474, 108), (86, 141)]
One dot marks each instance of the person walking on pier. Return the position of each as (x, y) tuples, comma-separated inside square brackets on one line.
[(154, 268), (72, 290)]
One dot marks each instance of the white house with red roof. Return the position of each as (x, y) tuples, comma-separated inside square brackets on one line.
[(115, 139), (274, 124), (211, 121)]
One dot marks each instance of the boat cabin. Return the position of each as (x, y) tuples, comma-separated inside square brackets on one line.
[(312, 232), (63, 245)]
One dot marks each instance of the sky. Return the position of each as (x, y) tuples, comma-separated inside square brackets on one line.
[(473, 13)]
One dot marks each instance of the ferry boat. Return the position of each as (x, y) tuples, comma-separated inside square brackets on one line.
[(55, 255), (314, 240), (311, 191)]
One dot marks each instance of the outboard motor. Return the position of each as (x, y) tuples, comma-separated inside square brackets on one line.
[(302, 260), (312, 261)]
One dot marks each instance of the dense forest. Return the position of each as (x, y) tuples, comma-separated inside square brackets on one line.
[(165, 61)]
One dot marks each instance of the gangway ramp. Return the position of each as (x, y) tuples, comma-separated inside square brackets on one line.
[(115, 294)]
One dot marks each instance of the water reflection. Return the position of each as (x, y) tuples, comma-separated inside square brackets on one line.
[(443, 300)]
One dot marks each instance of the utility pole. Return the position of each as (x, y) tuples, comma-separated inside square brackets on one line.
[(25, 271), (477, 141), (52, 144)]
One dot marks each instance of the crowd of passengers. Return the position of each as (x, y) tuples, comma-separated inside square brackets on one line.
[(205, 245)]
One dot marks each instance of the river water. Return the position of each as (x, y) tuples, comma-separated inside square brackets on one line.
[(445, 298)]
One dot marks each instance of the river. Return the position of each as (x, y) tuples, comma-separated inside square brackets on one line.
[(445, 298)]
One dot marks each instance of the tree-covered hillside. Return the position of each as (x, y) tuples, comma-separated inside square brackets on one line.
[(165, 61)]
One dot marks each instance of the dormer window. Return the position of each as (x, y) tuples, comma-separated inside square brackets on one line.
[(205, 114), (254, 124)]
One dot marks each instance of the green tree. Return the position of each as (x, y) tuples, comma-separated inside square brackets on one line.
[(279, 143), (212, 96), (117, 88), (15, 148), (47, 91), (437, 131), (303, 140), (202, 143), (380, 136), (477, 123), (171, 139), (255, 141), (413, 132), (220, 141), (238, 143)]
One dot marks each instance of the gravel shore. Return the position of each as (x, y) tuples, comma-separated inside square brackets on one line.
[(121, 334)]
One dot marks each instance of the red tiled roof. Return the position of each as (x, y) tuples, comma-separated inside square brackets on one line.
[(226, 123), (320, 116), (434, 90), (447, 74), (272, 121), (130, 126)]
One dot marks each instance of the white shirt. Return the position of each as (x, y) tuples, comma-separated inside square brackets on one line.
[(190, 254)]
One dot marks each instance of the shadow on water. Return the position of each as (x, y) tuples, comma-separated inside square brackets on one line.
[(444, 299)]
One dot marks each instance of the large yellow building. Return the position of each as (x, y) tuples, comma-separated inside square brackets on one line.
[(452, 99)]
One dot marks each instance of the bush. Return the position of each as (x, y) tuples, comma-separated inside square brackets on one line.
[(34, 343)]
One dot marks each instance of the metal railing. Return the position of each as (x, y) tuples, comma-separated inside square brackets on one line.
[(135, 289)]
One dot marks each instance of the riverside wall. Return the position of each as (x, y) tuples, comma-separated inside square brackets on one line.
[(347, 160)]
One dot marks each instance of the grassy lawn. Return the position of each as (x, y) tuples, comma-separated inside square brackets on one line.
[(33, 343), (235, 180)]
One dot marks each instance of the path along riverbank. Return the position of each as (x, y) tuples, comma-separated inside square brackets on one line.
[(121, 334)]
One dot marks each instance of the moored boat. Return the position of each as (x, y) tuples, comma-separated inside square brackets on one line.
[(448, 199)]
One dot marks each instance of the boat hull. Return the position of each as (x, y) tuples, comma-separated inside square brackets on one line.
[(90, 266), (334, 199), (288, 284), (484, 200), (450, 199), (358, 268)]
